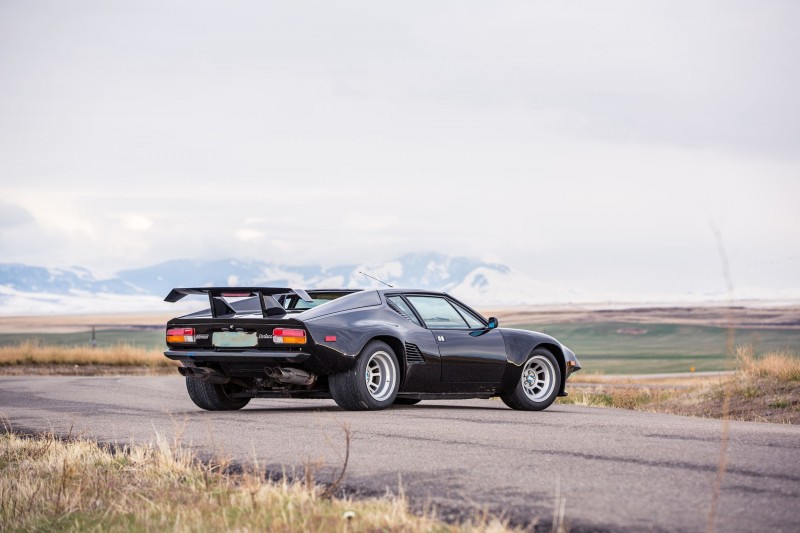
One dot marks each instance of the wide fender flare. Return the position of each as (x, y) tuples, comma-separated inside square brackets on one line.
[(519, 345), (378, 329)]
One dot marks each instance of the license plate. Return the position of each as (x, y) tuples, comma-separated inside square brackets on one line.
[(233, 339)]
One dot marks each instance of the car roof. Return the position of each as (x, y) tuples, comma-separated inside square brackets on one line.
[(406, 290), (383, 290)]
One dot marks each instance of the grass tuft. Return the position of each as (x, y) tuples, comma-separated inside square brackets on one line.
[(780, 366)]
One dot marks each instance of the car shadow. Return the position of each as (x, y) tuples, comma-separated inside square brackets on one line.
[(309, 409), (335, 408), (453, 407), (421, 407)]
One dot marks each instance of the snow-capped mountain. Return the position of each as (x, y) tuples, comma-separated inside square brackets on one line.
[(27, 278), (29, 289), (426, 271)]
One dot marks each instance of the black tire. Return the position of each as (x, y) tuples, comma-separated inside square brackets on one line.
[(540, 365), (406, 401), (213, 397), (349, 389)]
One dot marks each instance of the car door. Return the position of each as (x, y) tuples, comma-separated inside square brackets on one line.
[(464, 358)]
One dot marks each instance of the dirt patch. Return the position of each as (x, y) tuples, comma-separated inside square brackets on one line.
[(759, 400), (631, 331)]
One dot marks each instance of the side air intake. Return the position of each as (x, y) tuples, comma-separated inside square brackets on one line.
[(413, 355)]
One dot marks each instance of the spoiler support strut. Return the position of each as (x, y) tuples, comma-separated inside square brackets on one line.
[(266, 297)]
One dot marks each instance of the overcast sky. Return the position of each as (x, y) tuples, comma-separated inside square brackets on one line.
[(587, 144)]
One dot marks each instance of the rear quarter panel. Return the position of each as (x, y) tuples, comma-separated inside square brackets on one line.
[(354, 328)]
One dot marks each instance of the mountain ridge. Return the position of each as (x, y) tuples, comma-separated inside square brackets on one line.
[(25, 288), (33, 290)]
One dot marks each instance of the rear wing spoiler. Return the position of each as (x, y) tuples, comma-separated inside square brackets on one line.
[(217, 295)]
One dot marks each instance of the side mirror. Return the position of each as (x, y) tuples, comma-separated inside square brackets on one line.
[(493, 323)]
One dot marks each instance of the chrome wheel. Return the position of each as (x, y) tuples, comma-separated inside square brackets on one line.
[(380, 375), (538, 378)]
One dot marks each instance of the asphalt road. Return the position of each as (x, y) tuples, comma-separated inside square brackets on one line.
[(616, 469)]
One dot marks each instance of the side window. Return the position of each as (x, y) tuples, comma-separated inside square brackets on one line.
[(437, 312), (401, 307), (472, 320)]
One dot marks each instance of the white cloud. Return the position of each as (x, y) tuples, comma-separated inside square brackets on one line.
[(137, 222), (12, 216), (248, 235)]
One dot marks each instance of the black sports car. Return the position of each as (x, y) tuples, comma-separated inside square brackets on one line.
[(366, 349)]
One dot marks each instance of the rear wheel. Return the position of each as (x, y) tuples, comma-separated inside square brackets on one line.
[(406, 401), (538, 385), (371, 384), (213, 397)]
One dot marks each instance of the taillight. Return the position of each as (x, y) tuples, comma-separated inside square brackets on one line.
[(180, 335), (288, 336)]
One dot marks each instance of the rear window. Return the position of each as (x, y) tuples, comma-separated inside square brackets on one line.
[(400, 306), (293, 302)]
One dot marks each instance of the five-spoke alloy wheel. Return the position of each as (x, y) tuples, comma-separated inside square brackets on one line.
[(381, 375), (371, 384), (538, 378), (539, 383)]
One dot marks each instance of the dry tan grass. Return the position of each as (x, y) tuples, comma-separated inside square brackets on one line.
[(622, 397), (782, 366), (48, 484), (764, 388), (34, 353)]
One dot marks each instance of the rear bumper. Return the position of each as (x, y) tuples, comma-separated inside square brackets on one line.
[(238, 356)]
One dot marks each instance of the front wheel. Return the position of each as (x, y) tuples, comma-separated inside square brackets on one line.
[(212, 396), (538, 385), (371, 384)]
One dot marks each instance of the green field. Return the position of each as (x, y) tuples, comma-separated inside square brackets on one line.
[(663, 348), (599, 346)]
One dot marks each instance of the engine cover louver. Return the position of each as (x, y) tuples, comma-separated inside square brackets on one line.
[(413, 354)]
